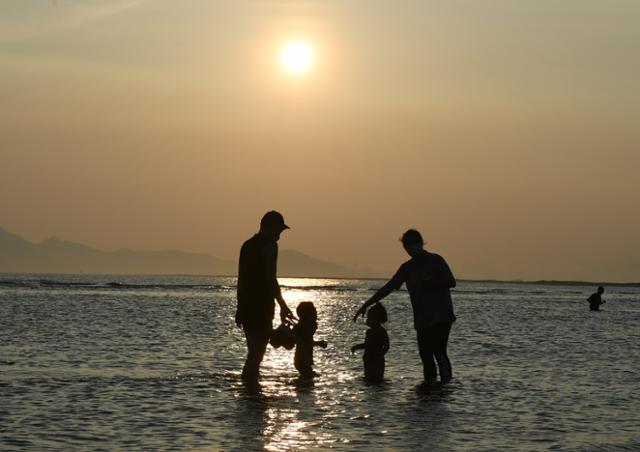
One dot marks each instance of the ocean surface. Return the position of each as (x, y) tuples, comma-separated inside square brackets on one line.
[(153, 363)]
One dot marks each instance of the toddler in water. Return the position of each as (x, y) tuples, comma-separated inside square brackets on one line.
[(303, 332), (376, 344)]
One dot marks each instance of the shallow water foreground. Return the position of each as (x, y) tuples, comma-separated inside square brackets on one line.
[(153, 363)]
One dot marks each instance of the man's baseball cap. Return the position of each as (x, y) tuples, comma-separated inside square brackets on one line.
[(275, 219)]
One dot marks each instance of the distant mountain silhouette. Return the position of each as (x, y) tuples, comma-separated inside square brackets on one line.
[(58, 256), (295, 263), (18, 255)]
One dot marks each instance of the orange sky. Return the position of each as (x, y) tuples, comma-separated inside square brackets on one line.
[(506, 132)]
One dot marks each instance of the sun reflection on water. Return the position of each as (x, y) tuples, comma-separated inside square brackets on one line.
[(284, 431), (294, 297), (297, 413), (293, 417)]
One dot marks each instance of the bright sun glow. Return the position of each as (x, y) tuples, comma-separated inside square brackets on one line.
[(297, 57)]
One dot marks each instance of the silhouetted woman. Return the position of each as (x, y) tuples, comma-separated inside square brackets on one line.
[(429, 280)]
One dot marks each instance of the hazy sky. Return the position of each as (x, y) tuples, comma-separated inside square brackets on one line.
[(506, 131)]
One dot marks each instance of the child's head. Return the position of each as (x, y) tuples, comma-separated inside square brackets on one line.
[(376, 315), (307, 311)]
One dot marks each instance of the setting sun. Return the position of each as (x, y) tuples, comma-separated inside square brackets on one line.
[(297, 57)]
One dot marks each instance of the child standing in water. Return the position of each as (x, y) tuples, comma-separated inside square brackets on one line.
[(376, 344), (303, 332)]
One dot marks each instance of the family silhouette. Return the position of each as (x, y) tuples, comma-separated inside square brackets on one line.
[(426, 275)]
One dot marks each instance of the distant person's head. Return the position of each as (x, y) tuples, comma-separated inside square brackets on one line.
[(412, 242), (272, 224), (307, 311), (376, 315), (600, 289)]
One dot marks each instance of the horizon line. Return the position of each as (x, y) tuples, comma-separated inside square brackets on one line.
[(547, 282)]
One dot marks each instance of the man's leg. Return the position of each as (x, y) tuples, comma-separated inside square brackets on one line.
[(256, 346), (441, 338), (425, 346)]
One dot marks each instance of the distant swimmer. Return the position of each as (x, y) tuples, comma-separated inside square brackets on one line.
[(595, 300)]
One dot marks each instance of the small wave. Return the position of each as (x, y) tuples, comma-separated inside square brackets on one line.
[(215, 287), (15, 284), (109, 285), (336, 288), (487, 291), (49, 282), (31, 283)]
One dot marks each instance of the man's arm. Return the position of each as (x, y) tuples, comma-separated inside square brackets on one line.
[(271, 255)]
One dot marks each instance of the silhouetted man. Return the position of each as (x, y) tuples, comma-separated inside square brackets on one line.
[(595, 300), (428, 279), (258, 288)]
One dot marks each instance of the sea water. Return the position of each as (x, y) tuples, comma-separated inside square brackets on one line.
[(153, 363)]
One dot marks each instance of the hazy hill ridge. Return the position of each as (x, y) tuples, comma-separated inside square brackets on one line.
[(58, 256)]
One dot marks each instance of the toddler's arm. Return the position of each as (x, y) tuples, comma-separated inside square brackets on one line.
[(385, 344), (322, 344), (357, 347)]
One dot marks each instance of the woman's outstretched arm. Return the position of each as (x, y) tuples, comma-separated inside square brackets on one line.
[(394, 284)]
